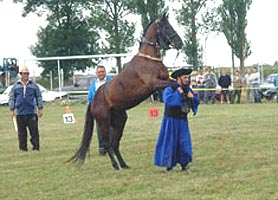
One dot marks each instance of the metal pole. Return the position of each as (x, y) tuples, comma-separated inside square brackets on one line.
[(51, 82), (62, 77), (262, 73), (59, 75)]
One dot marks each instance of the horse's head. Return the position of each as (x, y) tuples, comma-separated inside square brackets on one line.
[(167, 37)]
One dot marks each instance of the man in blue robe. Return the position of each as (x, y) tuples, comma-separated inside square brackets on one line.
[(174, 142)]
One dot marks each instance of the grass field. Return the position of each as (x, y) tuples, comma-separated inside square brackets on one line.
[(235, 157)]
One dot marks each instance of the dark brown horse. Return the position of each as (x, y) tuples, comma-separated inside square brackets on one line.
[(144, 75)]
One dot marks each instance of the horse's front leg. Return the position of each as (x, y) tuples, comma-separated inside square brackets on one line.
[(160, 84)]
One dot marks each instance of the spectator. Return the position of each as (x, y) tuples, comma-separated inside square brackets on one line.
[(200, 82), (25, 98), (255, 81), (237, 83), (276, 85), (174, 141), (101, 79), (224, 82), (248, 84), (210, 85)]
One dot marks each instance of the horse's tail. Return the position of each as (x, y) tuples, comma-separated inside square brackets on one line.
[(80, 155)]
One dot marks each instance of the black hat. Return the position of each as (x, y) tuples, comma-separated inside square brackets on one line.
[(181, 72)]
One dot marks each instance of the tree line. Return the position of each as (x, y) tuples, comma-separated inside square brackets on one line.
[(86, 27)]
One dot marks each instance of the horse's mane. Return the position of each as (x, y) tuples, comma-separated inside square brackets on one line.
[(145, 30)]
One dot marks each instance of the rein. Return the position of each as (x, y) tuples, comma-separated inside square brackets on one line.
[(149, 57)]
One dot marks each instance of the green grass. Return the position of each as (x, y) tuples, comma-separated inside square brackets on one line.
[(235, 157)]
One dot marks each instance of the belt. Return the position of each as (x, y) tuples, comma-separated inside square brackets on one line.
[(176, 112)]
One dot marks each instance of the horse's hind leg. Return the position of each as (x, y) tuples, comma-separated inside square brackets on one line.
[(118, 120), (106, 134)]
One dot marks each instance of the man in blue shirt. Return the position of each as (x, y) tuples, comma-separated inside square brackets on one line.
[(276, 85), (25, 98), (255, 79), (101, 79)]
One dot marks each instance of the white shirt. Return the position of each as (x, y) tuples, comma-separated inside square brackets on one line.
[(99, 83), (247, 78)]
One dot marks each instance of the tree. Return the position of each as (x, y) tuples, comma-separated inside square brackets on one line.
[(117, 32), (193, 16), (233, 23), (148, 10), (67, 33)]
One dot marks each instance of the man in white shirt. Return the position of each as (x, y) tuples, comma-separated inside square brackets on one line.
[(247, 84), (255, 79)]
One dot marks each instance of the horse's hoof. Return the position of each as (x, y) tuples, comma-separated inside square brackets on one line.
[(125, 167), (116, 167)]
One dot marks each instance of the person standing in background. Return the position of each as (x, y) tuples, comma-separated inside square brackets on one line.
[(247, 84), (237, 82), (276, 85), (25, 98), (200, 81), (224, 82), (210, 86), (255, 79), (101, 79)]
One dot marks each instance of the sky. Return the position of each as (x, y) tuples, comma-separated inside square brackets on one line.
[(18, 34)]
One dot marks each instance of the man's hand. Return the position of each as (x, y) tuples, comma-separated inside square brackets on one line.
[(190, 95), (40, 113), (174, 85), (12, 113)]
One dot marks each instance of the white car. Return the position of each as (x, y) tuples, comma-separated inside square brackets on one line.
[(46, 95)]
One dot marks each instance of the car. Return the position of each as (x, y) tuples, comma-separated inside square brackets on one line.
[(270, 94), (47, 95), (269, 83), (81, 87), (266, 87), (2, 89)]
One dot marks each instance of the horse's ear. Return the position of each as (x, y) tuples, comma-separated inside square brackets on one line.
[(165, 15)]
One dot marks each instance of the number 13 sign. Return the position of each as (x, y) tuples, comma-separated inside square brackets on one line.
[(68, 118)]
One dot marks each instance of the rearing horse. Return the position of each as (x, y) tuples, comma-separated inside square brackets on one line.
[(144, 75)]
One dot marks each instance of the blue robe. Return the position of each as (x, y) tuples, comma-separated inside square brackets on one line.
[(174, 142)]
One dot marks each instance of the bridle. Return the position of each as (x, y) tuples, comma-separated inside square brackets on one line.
[(160, 43)]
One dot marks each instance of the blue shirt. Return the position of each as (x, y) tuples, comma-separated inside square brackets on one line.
[(25, 101), (255, 76), (93, 89)]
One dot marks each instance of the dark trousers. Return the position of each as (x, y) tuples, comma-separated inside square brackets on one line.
[(256, 93), (236, 93), (209, 93), (30, 122), (101, 146)]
